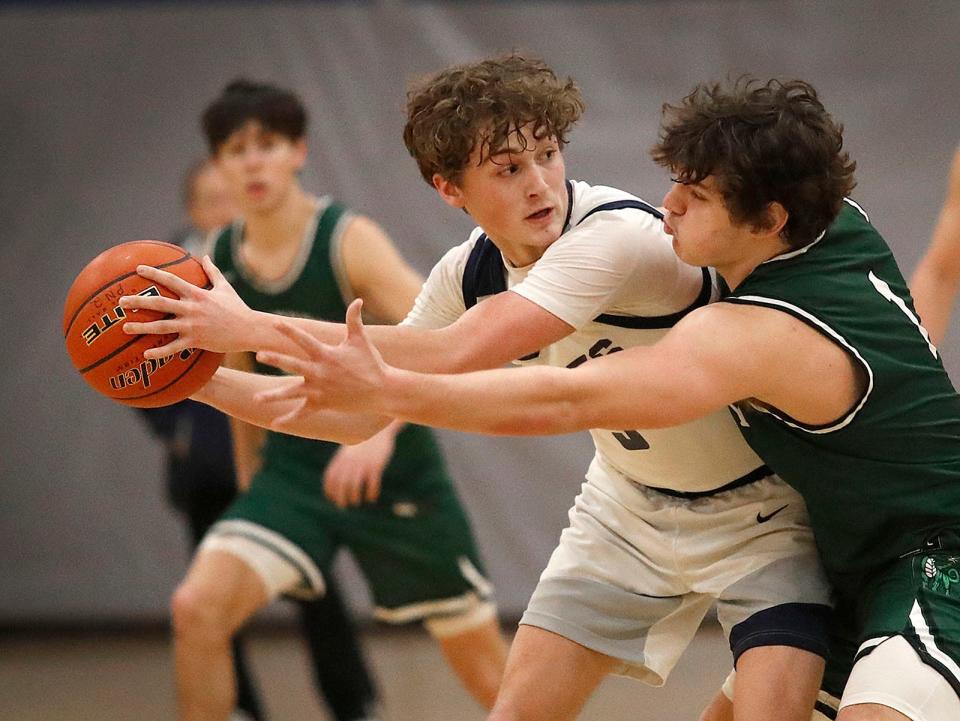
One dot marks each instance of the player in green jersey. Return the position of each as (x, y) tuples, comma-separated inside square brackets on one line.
[(388, 500), (201, 485), (816, 349), (561, 264), (937, 278)]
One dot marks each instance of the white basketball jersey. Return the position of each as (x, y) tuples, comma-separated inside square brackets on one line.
[(613, 276)]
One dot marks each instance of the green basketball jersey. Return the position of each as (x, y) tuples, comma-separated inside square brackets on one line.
[(883, 479), (315, 287)]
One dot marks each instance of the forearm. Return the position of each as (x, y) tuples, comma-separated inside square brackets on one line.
[(524, 402), (247, 441), (936, 280), (419, 349), (933, 295), (233, 392)]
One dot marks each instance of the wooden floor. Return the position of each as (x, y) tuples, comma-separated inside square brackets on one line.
[(112, 677)]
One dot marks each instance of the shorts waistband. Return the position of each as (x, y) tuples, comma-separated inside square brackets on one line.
[(752, 477)]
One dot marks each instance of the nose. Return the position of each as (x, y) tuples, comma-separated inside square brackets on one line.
[(537, 184), (252, 157), (671, 201)]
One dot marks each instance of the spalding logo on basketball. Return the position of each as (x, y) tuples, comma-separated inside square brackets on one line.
[(111, 361)]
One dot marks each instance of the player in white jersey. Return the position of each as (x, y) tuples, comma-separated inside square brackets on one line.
[(669, 521), (613, 277)]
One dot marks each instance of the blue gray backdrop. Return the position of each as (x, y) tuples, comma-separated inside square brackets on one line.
[(98, 119)]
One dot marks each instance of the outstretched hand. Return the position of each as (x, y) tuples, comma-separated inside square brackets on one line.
[(212, 319), (347, 377)]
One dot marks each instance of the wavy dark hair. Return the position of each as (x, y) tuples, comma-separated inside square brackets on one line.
[(276, 109), (763, 143), (485, 103)]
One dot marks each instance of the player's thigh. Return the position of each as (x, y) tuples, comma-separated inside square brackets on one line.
[(419, 558), (896, 644), (612, 586), (777, 682), (894, 682), (281, 532), (761, 561), (548, 677)]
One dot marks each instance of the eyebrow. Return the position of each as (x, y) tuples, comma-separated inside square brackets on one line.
[(506, 151), (510, 150)]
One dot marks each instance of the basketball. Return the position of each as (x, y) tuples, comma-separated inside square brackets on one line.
[(111, 361)]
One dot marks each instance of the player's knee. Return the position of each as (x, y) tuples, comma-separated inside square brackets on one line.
[(198, 615)]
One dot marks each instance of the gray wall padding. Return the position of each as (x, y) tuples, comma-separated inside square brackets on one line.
[(99, 108)]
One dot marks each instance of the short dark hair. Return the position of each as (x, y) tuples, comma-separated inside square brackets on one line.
[(276, 109), (485, 103), (764, 143)]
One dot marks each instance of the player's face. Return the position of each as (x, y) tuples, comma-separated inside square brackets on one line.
[(703, 232), (211, 203), (518, 196), (260, 167)]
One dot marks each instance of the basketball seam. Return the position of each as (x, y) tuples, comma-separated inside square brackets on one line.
[(199, 355), (168, 264), (96, 363)]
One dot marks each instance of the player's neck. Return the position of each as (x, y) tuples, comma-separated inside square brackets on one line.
[(735, 272), (283, 225)]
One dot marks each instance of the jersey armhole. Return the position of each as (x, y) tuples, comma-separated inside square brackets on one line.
[(830, 334)]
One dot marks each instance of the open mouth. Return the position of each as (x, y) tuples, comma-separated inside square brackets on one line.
[(540, 214)]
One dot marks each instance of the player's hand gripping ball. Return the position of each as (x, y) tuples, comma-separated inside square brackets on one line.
[(111, 361)]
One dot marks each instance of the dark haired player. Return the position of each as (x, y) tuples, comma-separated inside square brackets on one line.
[(816, 349), (560, 272), (388, 500), (201, 485)]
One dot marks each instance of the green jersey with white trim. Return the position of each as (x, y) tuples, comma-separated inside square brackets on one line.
[(316, 287), (885, 477)]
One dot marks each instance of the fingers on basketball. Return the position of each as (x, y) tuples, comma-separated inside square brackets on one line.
[(115, 363)]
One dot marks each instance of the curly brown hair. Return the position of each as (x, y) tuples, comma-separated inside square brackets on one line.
[(485, 103), (763, 143)]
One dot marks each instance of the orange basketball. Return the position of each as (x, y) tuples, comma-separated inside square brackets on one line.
[(111, 361)]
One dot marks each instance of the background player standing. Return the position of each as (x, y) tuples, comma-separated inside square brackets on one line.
[(295, 253), (201, 485)]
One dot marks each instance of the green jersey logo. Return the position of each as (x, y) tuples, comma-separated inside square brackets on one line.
[(940, 575)]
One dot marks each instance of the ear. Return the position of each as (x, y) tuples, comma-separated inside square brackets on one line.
[(449, 191), (776, 219), (300, 153)]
